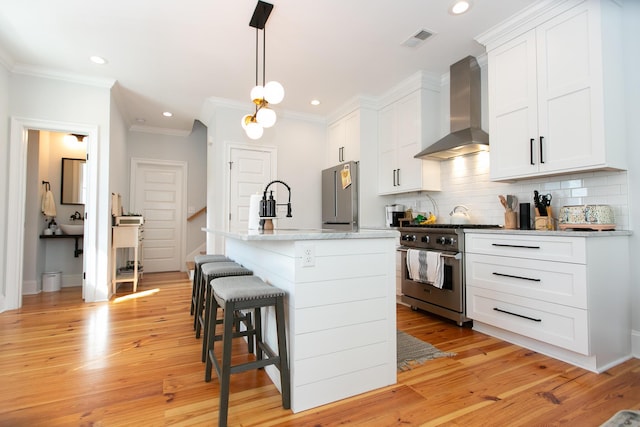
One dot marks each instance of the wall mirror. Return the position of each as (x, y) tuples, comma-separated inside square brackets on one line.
[(73, 181)]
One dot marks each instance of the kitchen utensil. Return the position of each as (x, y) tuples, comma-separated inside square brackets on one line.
[(460, 216), (514, 202), (503, 201), (540, 204)]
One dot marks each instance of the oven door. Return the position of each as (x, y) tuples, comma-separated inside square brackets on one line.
[(448, 301)]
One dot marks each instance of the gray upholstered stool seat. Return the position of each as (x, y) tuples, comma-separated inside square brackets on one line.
[(245, 293), (198, 260), (211, 271)]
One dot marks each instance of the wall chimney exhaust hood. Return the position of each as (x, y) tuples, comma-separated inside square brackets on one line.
[(466, 136)]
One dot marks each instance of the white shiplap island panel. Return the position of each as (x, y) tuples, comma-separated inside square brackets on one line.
[(341, 314)]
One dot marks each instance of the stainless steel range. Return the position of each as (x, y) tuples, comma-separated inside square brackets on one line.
[(449, 301)]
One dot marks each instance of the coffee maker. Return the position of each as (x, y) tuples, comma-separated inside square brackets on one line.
[(393, 214)]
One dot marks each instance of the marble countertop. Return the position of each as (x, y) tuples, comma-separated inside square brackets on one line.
[(305, 234), (563, 233)]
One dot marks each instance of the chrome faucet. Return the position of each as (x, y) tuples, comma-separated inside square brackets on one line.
[(77, 215)]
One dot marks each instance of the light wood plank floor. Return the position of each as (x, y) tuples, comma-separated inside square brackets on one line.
[(136, 362)]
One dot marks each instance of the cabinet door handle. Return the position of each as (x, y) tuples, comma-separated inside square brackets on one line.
[(541, 158), (515, 277), (502, 245), (531, 151), (398, 173), (394, 177), (516, 314), (341, 154)]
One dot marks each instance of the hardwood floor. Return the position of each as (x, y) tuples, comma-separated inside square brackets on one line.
[(136, 362)]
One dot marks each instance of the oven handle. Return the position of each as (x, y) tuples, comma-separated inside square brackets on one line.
[(457, 255)]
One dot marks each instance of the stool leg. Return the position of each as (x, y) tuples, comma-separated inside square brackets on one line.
[(282, 353), (257, 332), (200, 303), (211, 338), (207, 314), (194, 285), (225, 371)]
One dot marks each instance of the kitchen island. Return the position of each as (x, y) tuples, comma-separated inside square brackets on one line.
[(340, 306)]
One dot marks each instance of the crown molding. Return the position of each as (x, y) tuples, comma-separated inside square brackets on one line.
[(523, 21), (159, 131), (49, 73)]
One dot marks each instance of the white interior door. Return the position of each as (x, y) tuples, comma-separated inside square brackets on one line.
[(158, 192), (251, 169)]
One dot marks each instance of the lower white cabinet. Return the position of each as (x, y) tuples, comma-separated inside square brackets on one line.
[(562, 295)]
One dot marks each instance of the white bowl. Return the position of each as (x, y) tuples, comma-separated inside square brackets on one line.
[(72, 229)]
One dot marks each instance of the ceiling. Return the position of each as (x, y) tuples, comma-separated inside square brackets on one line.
[(169, 55)]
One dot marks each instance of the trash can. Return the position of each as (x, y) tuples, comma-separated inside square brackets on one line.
[(51, 281)]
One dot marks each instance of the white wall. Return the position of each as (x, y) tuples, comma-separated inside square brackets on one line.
[(4, 167), (632, 85), (191, 149), (301, 146)]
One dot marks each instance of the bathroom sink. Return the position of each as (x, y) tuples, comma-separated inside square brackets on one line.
[(72, 228)]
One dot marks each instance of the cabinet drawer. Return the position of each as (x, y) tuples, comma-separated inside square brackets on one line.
[(556, 282), (555, 324), (550, 248)]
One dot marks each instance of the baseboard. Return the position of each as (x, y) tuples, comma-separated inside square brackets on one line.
[(30, 287)]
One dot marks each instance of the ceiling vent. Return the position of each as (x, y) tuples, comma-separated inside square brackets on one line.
[(417, 38)]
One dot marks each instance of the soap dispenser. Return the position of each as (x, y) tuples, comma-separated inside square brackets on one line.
[(271, 205)]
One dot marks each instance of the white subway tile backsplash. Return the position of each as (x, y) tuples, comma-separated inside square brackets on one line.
[(466, 181)]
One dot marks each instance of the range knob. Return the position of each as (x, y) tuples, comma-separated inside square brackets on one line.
[(425, 239), (409, 237), (445, 240)]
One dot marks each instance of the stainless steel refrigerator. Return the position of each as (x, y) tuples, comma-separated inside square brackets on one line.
[(340, 197)]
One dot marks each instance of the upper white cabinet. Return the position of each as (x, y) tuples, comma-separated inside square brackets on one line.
[(344, 139), (405, 127), (555, 91)]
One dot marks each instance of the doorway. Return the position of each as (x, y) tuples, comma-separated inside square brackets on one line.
[(158, 191), (45, 247), (92, 286)]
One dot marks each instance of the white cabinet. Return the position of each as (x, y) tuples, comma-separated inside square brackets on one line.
[(406, 127), (562, 296), (344, 139), (555, 93)]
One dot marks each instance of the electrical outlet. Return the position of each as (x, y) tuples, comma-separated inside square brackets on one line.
[(308, 256)]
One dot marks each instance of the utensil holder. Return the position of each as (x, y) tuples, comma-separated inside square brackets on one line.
[(510, 220), (544, 223)]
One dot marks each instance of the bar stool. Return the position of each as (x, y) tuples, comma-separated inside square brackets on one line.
[(245, 293), (198, 260), (208, 272)]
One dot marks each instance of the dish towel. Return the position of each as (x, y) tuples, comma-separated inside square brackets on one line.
[(48, 205), (425, 267)]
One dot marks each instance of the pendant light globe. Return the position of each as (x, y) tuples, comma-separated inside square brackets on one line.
[(254, 130), (273, 92), (257, 94), (248, 118), (266, 117)]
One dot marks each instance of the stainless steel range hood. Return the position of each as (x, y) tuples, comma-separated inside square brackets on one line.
[(466, 136)]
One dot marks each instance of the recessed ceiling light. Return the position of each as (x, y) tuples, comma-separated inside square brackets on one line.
[(140, 120), (315, 102), (98, 60), (167, 114), (460, 7)]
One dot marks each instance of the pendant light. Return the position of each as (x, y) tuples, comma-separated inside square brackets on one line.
[(270, 93)]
